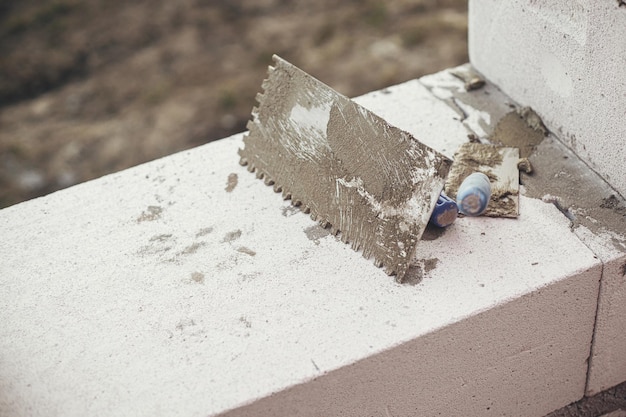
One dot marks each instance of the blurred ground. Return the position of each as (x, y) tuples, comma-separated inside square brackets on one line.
[(88, 87)]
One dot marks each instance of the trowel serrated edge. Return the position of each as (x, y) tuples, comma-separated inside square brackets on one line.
[(347, 167)]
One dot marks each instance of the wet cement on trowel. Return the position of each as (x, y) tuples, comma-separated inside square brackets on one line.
[(349, 168)]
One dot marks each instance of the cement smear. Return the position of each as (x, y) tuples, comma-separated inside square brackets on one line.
[(552, 172), (515, 131), (349, 168), (499, 165)]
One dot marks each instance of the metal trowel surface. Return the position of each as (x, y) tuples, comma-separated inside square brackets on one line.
[(370, 181)]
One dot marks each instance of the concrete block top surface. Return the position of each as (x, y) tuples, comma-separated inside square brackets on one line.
[(187, 287)]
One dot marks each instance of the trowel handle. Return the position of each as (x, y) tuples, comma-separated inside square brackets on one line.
[(474, 194), (445, 211)]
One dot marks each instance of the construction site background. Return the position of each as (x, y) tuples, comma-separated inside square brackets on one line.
[(90, 87)]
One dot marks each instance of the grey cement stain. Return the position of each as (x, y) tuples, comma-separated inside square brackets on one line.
[(185, 323), (614, 203), (197, 277), (205, 231), (150, 214), (289, 210), (315, 233), (193, 248), (433, 232), (158, 245), (161, 238), (231, 182), (243, 320), (247, 251), (557, 172), (419, 270), (232, 236), (249, 277), (521, 129), (430, 264), (156, 250)]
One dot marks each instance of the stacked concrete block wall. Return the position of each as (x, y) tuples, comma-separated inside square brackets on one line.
[(566, 60)]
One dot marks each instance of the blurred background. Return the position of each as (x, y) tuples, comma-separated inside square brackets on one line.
[(89, 87)]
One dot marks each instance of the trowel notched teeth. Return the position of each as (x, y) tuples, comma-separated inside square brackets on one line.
[(389, 271), (270, 144)]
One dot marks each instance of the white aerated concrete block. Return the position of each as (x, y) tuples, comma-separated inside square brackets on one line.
[(186, 287), (566, 60), (607, 365)]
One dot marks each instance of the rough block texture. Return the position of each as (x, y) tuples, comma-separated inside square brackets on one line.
[(187, 287), (607, 364), (566, 59), (597, 214), (167, 294)]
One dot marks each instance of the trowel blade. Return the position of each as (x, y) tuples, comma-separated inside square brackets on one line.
[(355, 173), (499, 164)]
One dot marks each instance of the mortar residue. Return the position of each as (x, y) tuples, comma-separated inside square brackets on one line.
[(346, 166), (471, 79), (231, 236), (476, 157), (315, 233), (246, 250), (418, 270), (197, 277), (150, 214), (524, 131), (231, 182), (561, 178)]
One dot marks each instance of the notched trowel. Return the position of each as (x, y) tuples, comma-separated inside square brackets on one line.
[(372, 182)]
